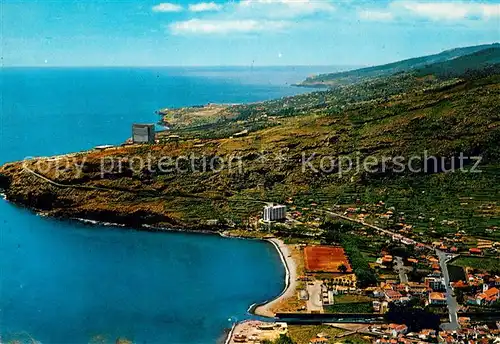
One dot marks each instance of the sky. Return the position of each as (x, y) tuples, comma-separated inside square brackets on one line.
[(238, 32)]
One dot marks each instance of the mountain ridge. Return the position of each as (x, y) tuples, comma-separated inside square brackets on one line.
[(399, 115), (357, 75)]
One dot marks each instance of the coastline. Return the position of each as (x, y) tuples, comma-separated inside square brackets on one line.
[(144, 227), (262, 309), (230, 334)]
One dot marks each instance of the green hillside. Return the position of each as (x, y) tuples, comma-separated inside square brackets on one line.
[(354, 76), (429, 112), (484, 61)]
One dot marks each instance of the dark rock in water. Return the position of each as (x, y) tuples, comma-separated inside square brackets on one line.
[(4, 182)]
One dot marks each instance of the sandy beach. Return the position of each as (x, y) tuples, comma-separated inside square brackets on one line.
[(290, 279)]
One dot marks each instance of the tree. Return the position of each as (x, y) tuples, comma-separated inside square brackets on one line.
[(459, 294), (417, 275), (333, 231), (400, 251), (415, 318), (284, 339), (366, 277), (364, 273)]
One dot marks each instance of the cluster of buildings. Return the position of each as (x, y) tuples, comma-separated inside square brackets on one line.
[(479, 289), (488, 297), (398, 334), (470, 335), (430, 292), (141, 134), (386, 332), (430, 289), (457, 242)]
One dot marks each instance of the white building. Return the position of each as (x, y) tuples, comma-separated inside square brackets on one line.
[(435, 283), (274, 212)]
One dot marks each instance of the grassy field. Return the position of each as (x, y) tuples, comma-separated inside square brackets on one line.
[(353, 307), (456, 272), (369, 256), (350, 298), (480, 263)]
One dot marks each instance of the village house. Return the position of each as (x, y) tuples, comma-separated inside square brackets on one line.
[(340, 289), (418, 289), (484, 244), (475, 251), (420, 246), (495, 281), (459, 285), (437, 298), (464, 321), (387, 260), (435, 283), (376, 305), (432, 260), (412, 261), (426, 334), (388, 285), (303, 295), (375, 292), (488, 296), (393, 296), (395, 332), (402, 288), (475, 279), (397, 329)]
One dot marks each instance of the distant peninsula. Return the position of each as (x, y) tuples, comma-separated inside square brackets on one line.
[(446, 105)]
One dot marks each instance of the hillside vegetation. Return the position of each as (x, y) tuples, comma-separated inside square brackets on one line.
[(363, 74), (401, 115)]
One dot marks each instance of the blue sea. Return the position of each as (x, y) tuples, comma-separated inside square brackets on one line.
[(67, 282)]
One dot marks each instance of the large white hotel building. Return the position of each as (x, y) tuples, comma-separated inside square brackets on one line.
[(274, 212)]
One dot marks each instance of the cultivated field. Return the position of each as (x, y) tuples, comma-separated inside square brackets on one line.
[(325, 259)]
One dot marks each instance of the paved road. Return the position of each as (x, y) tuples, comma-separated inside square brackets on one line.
[(149, 193), (450, 299), (400, 268), (314, 304), (382, 230)]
